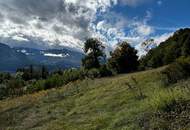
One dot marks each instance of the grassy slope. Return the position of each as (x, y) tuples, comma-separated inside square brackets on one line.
[(105, 103)]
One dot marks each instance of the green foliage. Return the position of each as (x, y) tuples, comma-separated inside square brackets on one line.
[(36, 86), (124, 59), (32, 72), (15, 87), (105, 71), (53, 82), (94, 53), (4, 77), (3, 91), (44, 72), (93, 73), (11, 86), (177, 71), (73, 75), (167, 52)]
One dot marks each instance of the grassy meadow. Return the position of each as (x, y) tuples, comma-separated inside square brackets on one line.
[(137, 101)]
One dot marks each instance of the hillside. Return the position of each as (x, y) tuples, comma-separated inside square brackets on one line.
[(168, 51), (107, 103)]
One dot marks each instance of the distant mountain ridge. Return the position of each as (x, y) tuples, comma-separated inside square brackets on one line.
[(18, 57), (10, 59), (54, 58)]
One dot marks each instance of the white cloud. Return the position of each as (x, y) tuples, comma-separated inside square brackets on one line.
[(49, 22), (162, 38), (55, 23), (56, 55), (19, 38), (134, 31), (159, 2), (153, 42), (144, 29)]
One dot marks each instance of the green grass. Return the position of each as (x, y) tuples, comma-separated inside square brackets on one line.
[(100, 104)]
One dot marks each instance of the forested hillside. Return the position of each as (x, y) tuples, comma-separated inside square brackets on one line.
[(167, 52)]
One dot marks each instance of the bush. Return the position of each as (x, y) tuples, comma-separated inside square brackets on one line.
[(3, 91), (93, 73), (179, 70), (73, 75), (36, 86), (4, 77), (104, 71), (15, 87), (56, 80), (53, 82)]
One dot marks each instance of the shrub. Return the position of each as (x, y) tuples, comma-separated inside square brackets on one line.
[(15, 87), (53, 82), (72, 75), (37, 86), (179, 70), (104, 71), (4, 77), (3, 91), (93, 73)]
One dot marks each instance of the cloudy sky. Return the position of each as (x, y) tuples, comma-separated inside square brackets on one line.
[(54, 23)]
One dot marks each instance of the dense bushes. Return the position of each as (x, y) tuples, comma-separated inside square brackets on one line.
[(179, 70), (62, 78), (3, 91), (4, 77), (11, 88), (17, 85)]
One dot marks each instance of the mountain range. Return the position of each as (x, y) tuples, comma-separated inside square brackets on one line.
[(18, 57)]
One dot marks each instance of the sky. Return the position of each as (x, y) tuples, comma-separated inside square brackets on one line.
[(56, 23)]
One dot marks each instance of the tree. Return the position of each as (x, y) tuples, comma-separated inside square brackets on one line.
[(31, 70), (124, 59), (93, 49), (45, 73)]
